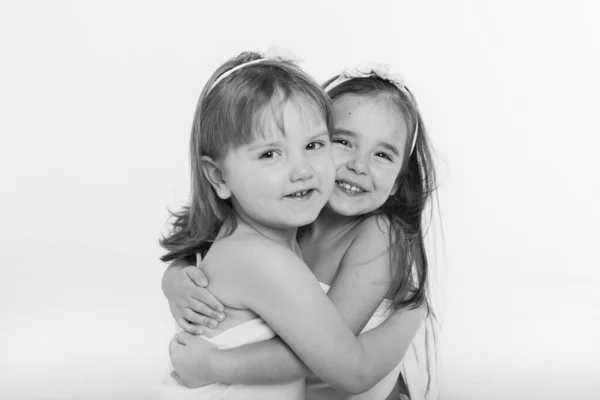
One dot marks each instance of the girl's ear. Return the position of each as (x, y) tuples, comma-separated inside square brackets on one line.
[(214, 173), (395, 187)]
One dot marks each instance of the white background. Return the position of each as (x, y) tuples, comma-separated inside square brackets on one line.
[(96, 103)]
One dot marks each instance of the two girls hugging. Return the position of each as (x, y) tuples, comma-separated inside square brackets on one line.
[(305, 216)]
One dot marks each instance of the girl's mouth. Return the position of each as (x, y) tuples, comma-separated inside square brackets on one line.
[(301, 194), (350, 188)]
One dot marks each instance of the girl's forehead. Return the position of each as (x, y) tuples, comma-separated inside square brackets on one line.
[(366, 109), (351, 101), (295, 112), (370, 118)]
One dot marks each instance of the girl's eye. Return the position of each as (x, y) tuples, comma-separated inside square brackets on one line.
[(384, 155), (269, 154), (315, 145), (342, 142)]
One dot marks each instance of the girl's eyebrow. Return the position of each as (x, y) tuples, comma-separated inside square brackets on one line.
[(260, 145), (388, 146), (319, 134), (275, 143), (345, 132)]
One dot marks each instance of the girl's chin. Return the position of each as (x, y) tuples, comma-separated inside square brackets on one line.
[(340, 208), (348, 208)]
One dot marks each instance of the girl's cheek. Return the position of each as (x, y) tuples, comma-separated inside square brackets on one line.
[(341, 157), (384, 175)]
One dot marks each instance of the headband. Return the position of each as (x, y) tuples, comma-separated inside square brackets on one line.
[(273, 54), (381, 71)]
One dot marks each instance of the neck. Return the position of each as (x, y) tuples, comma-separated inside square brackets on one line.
[(286, 237), (330, 223)]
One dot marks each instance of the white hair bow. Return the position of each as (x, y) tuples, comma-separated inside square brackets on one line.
[(366, 70)]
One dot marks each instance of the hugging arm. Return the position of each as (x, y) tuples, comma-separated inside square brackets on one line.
[(190, 303), (284, 292), (272, 361), (359, 287)]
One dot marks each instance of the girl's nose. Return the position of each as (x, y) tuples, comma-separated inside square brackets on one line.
[(358, 165), (301, 170)]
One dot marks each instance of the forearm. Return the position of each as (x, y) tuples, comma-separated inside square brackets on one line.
[(273, 362), (386, 345), (261, 363)]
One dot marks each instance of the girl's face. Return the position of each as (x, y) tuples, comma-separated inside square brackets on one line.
[(284, 177), (368, 149)]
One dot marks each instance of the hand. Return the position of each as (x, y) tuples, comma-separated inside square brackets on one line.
[(191, 304), (190, 356)]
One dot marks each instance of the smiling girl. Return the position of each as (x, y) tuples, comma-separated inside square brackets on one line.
[(261, 168), (366, 248)]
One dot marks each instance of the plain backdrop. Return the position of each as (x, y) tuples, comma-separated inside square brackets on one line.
[(96, 104)]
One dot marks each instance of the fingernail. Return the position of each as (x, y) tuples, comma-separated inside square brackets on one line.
[(220, 317), (212, 324), (203, 283)]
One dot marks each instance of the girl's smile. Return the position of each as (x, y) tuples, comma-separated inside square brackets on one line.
[(285, 176), (368, 142), (351, 188)]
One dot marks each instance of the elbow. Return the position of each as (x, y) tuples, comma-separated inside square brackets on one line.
[(364, 383), (360, 383), (362, 378)]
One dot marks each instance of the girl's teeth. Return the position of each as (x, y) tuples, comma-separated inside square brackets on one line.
[(348, 186)]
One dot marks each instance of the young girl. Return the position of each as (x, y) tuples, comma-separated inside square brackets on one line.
[(367, 243), (262, 167)]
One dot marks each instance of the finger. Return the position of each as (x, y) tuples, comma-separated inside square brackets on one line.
[(198, 319), (176, 341), (198, 260), (171, 348), (184, 338), (203, 308), (175, 376), (187, 326), (197, 276), (204, 296)]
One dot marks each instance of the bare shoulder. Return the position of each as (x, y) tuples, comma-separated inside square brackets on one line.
[(262, 273), (245, 269), (247, 255), (379, 223), (369, 254), (373, 235)]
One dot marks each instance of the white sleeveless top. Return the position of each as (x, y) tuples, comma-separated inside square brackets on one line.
[(255, 330), (316, 389)]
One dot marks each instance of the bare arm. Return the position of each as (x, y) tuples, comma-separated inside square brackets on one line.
[(261, 363), (190, 302), (358, 289)]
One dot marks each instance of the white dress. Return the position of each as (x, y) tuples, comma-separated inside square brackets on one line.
[(255, 330), (316, 389)]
